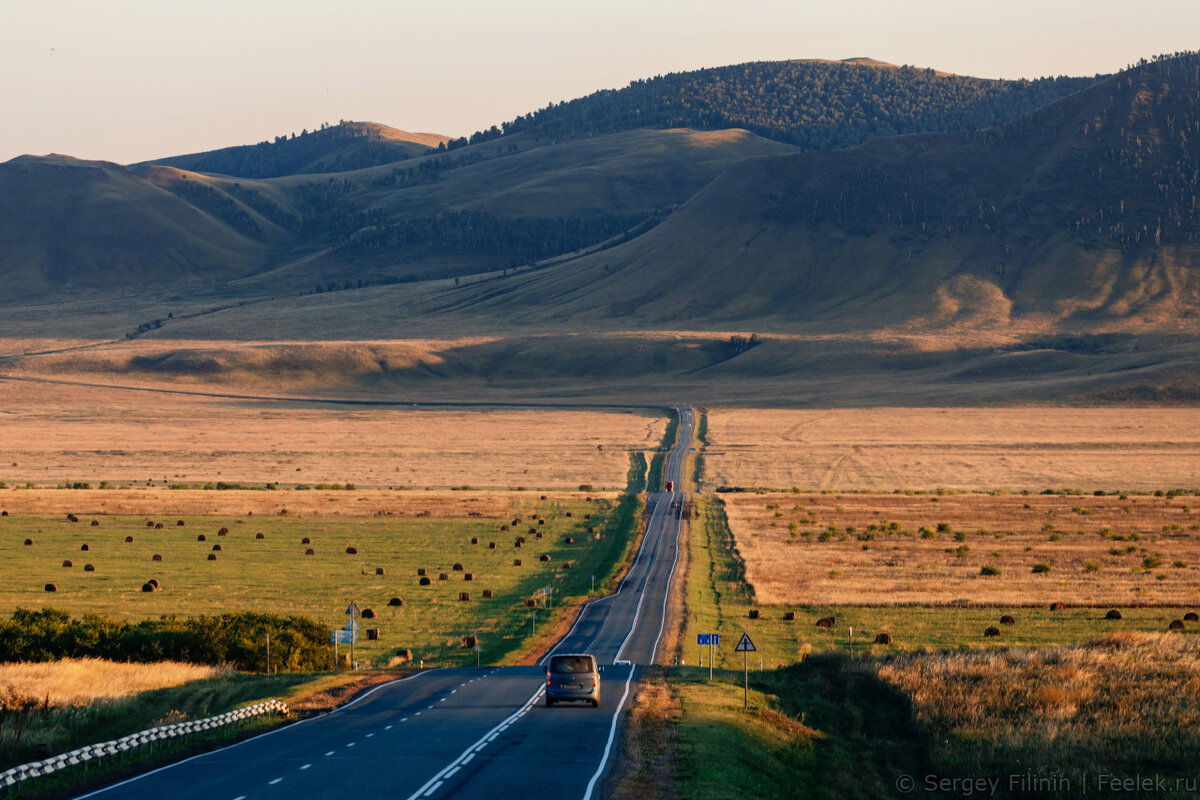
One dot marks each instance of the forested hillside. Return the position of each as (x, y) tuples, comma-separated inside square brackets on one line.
[(330, 148), (812, 104)]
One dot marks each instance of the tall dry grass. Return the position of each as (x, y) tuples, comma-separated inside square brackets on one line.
[(80, 681), (1123, 701)]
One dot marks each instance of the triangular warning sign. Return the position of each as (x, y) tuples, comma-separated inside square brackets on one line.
[(744, 645)]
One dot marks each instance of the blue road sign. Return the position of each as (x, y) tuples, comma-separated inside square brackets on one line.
[(702, 638), (716, 639)]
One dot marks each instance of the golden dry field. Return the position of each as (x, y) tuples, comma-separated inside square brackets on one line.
[(51, 433), (880, 549), (79, 681), (981, 449)]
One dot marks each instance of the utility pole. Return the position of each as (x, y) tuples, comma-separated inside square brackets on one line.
[(268, 652)]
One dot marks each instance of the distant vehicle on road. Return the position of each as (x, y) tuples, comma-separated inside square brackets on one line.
[(670, 486), (573, 676)]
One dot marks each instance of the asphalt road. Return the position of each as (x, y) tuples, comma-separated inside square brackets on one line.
[(462, 733)]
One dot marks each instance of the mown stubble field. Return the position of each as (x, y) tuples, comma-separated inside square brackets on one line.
[(860, 549), (971, 449)]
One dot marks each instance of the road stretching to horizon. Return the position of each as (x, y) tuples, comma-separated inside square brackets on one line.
[(462, 732)]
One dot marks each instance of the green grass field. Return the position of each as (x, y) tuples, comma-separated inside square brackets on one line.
[(273, 574)]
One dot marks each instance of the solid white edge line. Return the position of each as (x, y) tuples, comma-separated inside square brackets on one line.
[(612, 732), (437, 779), (252, 738)]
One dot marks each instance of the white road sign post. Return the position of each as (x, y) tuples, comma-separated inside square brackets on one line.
[(745, 647), (352, 611)]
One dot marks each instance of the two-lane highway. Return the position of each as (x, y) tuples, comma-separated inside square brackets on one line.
[(470, 733)]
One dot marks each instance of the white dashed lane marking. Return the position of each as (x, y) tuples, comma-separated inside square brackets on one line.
[(351, 744), (327, 755), (306, 766), (272, 783), (432, 789), (369, 735)]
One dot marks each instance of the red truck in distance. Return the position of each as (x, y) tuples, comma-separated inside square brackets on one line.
[(670, 486)]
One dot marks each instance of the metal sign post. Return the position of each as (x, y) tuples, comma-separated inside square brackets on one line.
[(352, 611), (713, 641), (701, 640), (745, 647)]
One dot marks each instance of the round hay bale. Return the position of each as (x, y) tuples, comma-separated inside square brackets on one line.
[(85, 547), (544, 557), (28, 542), (503, 527), (474, 540), (368, 613), (519, 543), (825, 622), (491, 545), (543, 497), (154, 582), (539, 534), (212, 556), (443, 576), (310, 552), (789, 616), (516, 522), (533, 531), (1008, 619), (568, 514), (458, 567), (158, 526), (753, 614), (202, 538), (223, 532), (72, 518), (67, 563), (149, 523), (468, 642), (420, 571), (216, 548), (373, 634), (587, 516), (306, 540), (260, 535), (541, 522), (396, 601), (180, 523), (89, 568), (488, 594), (468, 576), (148, 587), (425, 582), (404, 654), (379, 570), (128, 540), (464, 596), (1057, 606), (156, 557), (1113, 614), (991, 630), (1176, 625), (95, 523), (3, 513), (570, 540), (530, 603), (516, 562), (351, 551), (883, 637), (50, 587), (1191, 616)]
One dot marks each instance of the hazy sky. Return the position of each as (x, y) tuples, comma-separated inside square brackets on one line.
[(127, 80)]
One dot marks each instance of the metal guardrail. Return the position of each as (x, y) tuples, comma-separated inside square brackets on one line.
[(10, 779)]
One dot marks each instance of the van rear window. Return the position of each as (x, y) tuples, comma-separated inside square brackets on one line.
[(571, 664)]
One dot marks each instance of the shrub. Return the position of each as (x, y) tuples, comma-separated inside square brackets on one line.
[(1040, 568), (989, 570)]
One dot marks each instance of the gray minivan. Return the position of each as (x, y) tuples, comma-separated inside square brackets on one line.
[(573, 676)]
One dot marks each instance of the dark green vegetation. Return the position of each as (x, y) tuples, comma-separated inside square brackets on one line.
[(237, 639), (329, 148), (30, 731), (816, 105)]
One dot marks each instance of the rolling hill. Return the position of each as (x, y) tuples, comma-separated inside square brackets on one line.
[(1080, 215), (69, 224), (331, 148)]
